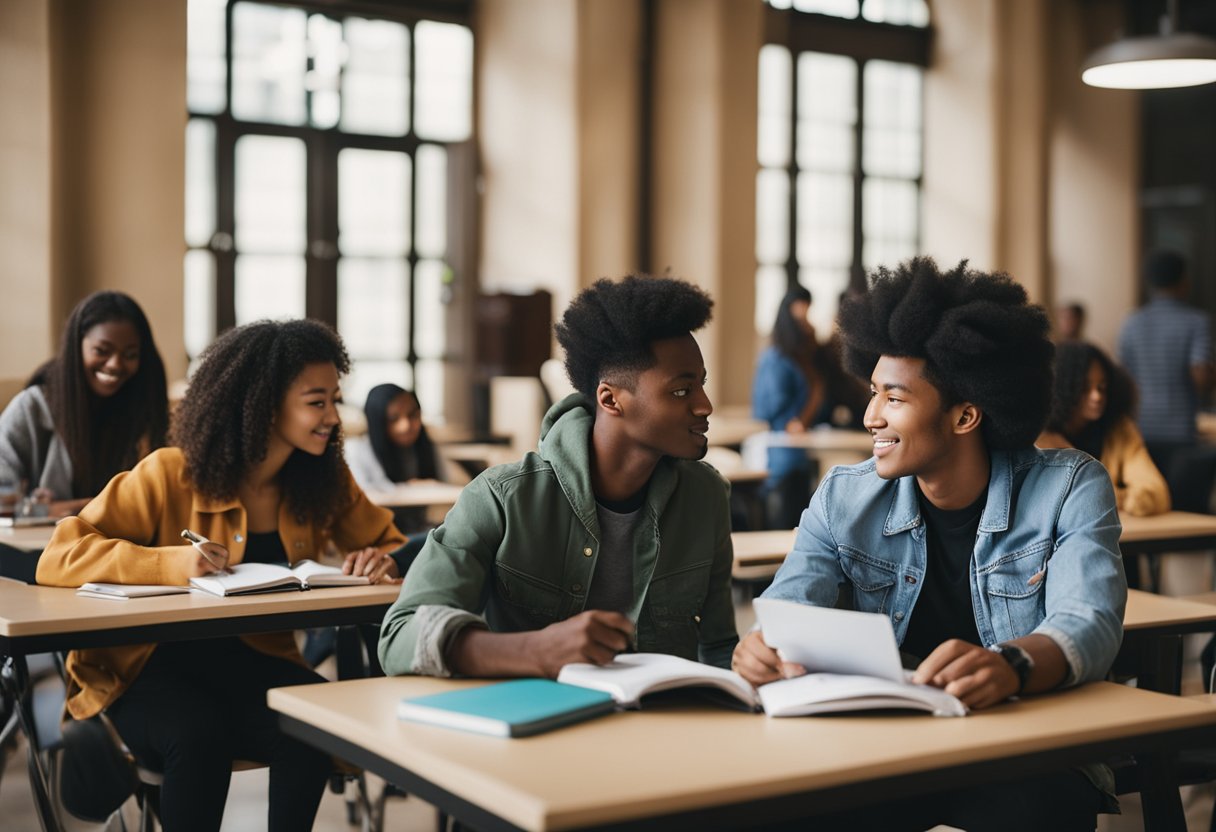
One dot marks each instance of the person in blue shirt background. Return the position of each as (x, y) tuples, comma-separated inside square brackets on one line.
[(997, 563)]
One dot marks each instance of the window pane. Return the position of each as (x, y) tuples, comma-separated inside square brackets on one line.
[(825, 220), (205, 70), (444, 68), (199, 296), (901, 12), (365, 374), (270, 194), (891, 144), (327, 51), (836, 8), (776, 75), (827, 111), (431, 214), (429, 389), (430, 334), (269, 287), (772, 216), (770, 289), (826, 286), (200, 181), (372, 306), (890, 209), (375, 89), (373, 202), (269, 59)]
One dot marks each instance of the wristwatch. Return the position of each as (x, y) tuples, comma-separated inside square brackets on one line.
[(1018, 659)]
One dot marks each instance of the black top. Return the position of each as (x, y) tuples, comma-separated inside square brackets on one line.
[(943, 610), (265, 547)]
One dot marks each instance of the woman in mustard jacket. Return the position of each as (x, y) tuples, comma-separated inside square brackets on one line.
[(1092, 410), (259, 472)]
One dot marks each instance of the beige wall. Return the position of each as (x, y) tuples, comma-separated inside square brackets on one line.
[(25, 198)]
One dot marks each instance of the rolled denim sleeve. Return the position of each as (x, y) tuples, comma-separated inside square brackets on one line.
[(1086, 590), (811, 573)]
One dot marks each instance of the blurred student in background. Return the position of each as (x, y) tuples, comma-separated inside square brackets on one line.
[(1070, 322), (1092, 409)]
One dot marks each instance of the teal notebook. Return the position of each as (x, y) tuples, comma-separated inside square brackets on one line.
[(517, 708)]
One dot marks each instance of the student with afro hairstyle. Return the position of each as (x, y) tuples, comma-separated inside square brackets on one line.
[(612, 535), (997, 563), (1092, 409), (259, 472)]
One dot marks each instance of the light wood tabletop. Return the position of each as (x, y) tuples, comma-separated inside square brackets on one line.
[(690, 758), (29, 538), (824, 439), (418, 494), (1149, 611)]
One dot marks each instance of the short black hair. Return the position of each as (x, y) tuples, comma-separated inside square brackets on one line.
[(1163, 269), (981, 339), (609, 327), (1072, 371), (223, 422)]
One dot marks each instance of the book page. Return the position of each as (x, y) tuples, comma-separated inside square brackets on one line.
[(824, 639), (120, 591), (247, 577), (319, 574), (831, 692), (633, 675)]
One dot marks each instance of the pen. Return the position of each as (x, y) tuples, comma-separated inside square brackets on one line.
[(197, 541)]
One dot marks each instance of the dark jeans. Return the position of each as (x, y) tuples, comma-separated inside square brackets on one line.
[(786, 498), (1062, 802), (1189, 470), (197, 706)]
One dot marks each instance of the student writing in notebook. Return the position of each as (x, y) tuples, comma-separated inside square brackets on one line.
[(259, 472), (612, 535), (997, 563)]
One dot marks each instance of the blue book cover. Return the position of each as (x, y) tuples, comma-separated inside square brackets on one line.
[(517, 708)]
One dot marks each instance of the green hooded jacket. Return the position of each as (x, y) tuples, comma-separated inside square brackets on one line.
[(518, 552)]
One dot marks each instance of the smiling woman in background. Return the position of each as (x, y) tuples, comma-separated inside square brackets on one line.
[(1092, 406), (93, 410)]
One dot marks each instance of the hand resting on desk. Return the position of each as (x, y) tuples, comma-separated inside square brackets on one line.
[(594, 636), (377, 565)]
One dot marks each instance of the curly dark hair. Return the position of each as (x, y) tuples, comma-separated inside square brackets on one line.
[(103, 435), (1073, 360), (223, 423), (980, 338), (388, 454), (608, 329)]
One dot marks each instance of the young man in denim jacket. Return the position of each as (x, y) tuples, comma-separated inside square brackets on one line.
[(611, 536), (997, 563)]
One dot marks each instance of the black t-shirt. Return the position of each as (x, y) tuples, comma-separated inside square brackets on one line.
[(943, 610), (265, 547)]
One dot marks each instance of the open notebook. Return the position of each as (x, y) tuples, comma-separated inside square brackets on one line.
[(241, 579)]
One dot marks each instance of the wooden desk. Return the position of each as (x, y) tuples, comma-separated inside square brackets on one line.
[(858, 442), (36, 619), (694, 766), (418, 494), (29, 538), (729, 430), (476, 457), (1153, 627)]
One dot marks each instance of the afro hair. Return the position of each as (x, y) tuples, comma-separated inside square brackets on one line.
[(608, 329), (981, 340)]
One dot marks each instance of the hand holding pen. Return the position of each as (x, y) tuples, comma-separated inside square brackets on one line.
[(212, 557)]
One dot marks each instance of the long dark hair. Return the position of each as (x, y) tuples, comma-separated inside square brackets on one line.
[(789, 337), (1073, 359), (103, 435), (223, 423), (387, 453)]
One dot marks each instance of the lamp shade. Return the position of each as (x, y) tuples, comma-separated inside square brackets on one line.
[(1181, 59)]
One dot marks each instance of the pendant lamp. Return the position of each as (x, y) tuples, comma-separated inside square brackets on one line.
[(1168, 59)]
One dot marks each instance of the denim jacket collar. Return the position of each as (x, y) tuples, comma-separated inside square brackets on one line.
[(905, 506)]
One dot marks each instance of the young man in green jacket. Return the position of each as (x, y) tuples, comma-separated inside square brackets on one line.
[(613, 536)]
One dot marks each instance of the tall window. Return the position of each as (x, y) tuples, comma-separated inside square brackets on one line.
[(839, 146), (316, 153)]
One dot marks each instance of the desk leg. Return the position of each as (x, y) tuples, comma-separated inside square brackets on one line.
[(1159, 792), (1161, 665), (16, 682)]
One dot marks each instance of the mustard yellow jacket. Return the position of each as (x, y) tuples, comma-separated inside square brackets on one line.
[(1140, 490), (129, 534)]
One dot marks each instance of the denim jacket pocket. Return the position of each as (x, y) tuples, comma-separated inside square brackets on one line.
[(1014, 586), (873, 579), (528, 602), (671, 615)]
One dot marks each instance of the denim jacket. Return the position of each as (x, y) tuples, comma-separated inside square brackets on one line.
[(1046, 556), (518, 552), (779, 392)]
